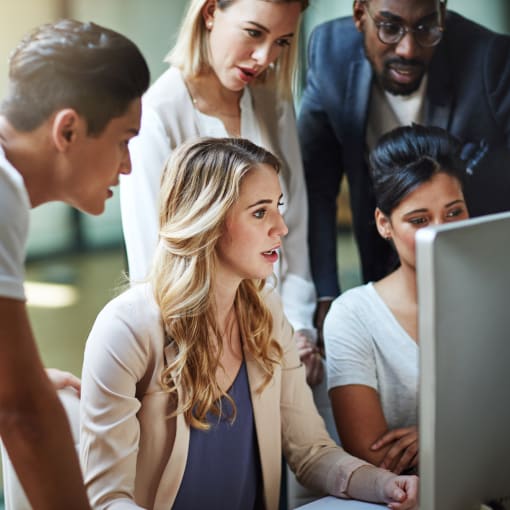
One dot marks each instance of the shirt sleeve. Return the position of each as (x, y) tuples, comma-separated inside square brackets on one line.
[(297, 288), (349, 346), (13, 234), (139, 193), (309, 450)]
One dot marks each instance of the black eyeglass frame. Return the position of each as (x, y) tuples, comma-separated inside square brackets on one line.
[(404, 30)]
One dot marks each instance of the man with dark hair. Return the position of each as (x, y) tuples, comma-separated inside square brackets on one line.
[(73, 103), (401, 61)]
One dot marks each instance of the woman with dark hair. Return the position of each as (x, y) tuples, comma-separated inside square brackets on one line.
[(371, 331)]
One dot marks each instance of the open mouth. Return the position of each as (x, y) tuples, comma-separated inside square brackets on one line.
[(247, 74)]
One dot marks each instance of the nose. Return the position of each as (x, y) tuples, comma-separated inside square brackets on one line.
[(279, 228), (125, 164), (407, 47), (264, 55)]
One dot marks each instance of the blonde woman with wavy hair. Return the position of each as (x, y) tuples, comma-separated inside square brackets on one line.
[(230, 74), (192, 385)]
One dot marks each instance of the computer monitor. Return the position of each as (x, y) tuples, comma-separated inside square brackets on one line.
[(463, 274)]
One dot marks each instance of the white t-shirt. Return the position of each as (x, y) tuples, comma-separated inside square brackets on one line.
[(14, 219), (389, 111), (366, 345)]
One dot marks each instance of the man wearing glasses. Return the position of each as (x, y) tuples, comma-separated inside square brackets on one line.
[(401, 61)]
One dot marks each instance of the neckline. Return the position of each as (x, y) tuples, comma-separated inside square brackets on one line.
[(388, 311)]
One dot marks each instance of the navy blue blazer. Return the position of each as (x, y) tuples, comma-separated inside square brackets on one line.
[(468, 93)]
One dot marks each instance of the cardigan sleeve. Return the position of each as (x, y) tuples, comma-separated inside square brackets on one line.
[(114, 361), (314, 457)]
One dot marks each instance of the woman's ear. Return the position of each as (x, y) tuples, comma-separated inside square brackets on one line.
[(383, 224), (208, 11), (64, 128)]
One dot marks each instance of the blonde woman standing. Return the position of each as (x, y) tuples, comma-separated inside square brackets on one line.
[(230, 75), (192, 385)]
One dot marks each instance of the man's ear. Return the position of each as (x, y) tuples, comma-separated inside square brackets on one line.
[(383, 224), (64, 128), (358, 14), (208, 10)]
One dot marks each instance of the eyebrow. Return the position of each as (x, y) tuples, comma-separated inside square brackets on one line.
[(264, 201), (415, 211), (134, 131), (389, 16), (265, 29)]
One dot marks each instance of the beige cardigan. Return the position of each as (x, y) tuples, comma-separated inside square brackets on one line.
[(134, 457)]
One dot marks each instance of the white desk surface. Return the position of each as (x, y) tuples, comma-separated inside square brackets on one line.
[(330, 503)]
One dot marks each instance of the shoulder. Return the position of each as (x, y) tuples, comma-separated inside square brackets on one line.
[(11, 181), (351, 311), (14, 201), (334, 34), (357, 297), (133, 315), (168, 97), (470, 37), (136, 306)]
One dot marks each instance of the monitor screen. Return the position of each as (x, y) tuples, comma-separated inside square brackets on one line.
[(463, 275)]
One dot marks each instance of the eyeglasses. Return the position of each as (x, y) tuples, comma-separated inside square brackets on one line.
[(390, 32)]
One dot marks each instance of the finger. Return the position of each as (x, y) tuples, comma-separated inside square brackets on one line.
[(390, 437), (398, 449), (405, 461)]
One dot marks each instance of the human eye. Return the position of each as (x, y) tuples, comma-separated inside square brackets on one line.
[(454, 213), (283, 42), (390, 29), (260, 213), (418, 221), (252, 32), (280, 203)]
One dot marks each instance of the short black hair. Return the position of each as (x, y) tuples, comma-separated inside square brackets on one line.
[(408, 156), (69, 64)]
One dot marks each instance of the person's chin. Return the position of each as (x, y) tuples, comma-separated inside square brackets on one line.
[(401, 89)]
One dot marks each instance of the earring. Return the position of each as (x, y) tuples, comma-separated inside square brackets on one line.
[(209, 24)]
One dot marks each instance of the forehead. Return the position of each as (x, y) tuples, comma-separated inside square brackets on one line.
[(405, 9), (439, 190), (260, 182), (276, 15)]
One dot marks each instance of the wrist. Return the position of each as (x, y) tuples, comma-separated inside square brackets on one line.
[(370, 484)]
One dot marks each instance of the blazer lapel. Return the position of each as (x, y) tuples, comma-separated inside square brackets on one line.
[(267, 426), (174, 470)]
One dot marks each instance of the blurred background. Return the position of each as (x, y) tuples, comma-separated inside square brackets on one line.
[(75, 262)]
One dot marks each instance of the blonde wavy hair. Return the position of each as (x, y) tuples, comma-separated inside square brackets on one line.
[(190, 53), (200, 183)]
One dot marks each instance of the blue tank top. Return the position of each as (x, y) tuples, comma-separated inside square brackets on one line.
[(223, 467)]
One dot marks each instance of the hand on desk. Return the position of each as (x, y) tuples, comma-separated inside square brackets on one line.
[(403, 453), (369, 483), (402, 493)]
